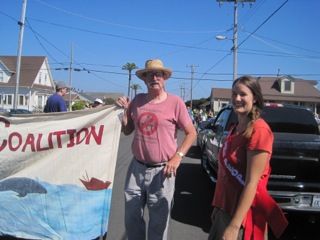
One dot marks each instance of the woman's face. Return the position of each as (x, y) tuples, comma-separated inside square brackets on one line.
[(242, 99)]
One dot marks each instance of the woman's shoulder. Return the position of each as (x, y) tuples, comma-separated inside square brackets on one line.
[(261, 123)]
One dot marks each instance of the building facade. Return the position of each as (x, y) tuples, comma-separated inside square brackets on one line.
[(35, 83), (281, 89)]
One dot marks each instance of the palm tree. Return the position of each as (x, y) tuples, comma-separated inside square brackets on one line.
[(135, 87), (129, 66)]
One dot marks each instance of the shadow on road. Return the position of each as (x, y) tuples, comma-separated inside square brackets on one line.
[(193, 196), (194, 152)]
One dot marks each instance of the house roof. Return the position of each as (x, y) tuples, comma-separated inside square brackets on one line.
[(30, 66), (304, 90)]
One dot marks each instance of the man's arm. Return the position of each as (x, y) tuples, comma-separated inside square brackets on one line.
[(174, 162), (126, 121)]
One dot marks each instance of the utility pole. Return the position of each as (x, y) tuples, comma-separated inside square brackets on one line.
[(235, 40), (21, 24), (235, 34), (70, 78), (182, 92), (192, 66)]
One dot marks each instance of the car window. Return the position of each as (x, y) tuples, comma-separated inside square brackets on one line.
[(290, 120), (222, 118)]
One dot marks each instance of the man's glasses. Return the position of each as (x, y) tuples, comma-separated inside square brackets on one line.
[(157, 74)]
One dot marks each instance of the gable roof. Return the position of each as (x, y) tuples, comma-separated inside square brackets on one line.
[(304, 90), (30, 66)]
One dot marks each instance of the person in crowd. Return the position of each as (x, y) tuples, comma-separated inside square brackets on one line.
[(190, 113), (242, 205), (154, 117), (97, 103), (56, 103), (210, 114)]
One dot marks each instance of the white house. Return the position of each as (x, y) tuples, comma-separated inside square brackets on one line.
[(35, 84)]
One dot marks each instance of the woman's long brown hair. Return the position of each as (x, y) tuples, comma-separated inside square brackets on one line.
[(254, 86)]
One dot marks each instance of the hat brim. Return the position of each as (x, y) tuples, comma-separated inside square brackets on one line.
[(142, 72)]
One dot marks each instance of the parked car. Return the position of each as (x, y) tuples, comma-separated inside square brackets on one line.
[(2, 110), (19, 111), (202, 129), (295, 180)]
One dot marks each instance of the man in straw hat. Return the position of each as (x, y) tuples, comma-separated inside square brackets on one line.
[(155, 116), (55, 102)]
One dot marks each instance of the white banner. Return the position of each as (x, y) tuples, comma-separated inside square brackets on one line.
[(56, 173)]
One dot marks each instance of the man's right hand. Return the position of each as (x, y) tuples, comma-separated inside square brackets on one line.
[(123, 102)]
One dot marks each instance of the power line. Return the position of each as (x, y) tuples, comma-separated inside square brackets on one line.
[(264, 22), (253, 52), (40, 43), (125, 37), (90, 70), (285, 44), (124, 25)]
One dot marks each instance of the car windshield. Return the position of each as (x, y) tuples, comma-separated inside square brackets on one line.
[(290, 120)]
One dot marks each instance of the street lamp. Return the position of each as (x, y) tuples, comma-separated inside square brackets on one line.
[(221, 37), (234, 49), (235, 37)]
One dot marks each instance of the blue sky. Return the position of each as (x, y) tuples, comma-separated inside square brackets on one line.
[(107, 34)]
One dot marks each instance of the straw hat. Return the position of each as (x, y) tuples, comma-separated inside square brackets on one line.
[(154, 65)]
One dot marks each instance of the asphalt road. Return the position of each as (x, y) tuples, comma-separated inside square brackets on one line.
[(190, 216)]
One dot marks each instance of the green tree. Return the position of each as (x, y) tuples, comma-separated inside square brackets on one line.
[(78, 105), (129, 66), (135, 87), (109, 101)]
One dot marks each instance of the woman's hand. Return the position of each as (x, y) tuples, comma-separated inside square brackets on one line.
[(231, 233)]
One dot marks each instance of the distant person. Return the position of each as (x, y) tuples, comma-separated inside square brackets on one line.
[(55, 102), (154, 117), (210, 114), (97, 103), (242, 205)]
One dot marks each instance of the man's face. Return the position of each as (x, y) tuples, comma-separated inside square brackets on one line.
[(154, 80), (64, 91)]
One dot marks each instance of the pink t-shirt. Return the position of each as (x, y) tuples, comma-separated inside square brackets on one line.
[(155, 136)]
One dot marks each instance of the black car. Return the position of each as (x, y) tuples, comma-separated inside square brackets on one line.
[(202, 130), (295, 180), (19, 111)]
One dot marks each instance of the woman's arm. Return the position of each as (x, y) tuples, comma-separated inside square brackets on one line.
[(256, 164)]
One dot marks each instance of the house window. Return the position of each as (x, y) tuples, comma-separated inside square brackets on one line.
[(40, 98), (287, 86), (1, 76), (8, 99), (21, 100)]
